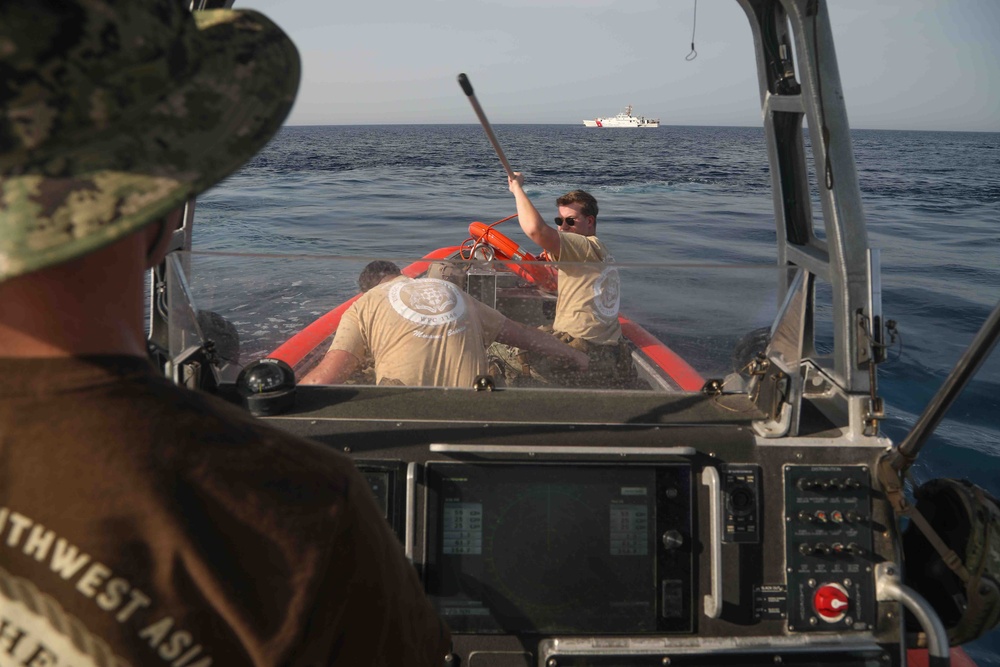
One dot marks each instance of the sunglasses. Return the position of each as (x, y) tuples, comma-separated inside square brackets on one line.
[(569, 220)]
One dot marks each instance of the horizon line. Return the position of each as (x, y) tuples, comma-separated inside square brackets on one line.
[(580, 124)]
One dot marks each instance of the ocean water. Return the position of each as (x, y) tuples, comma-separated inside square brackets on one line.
[(686, 195)]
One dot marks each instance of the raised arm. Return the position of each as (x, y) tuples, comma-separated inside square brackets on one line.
[(518, 335), (532, 223), (335, 367)]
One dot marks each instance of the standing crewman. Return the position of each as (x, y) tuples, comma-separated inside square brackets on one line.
[(589, 292)]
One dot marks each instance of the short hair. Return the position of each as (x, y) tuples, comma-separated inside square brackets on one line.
[(580, 197), (375, 272)]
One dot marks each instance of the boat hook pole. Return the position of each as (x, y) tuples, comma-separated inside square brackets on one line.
[(892, 466), (977, 352), (463, 81)]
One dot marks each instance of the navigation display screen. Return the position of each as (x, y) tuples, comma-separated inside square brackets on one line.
[(560, 548)]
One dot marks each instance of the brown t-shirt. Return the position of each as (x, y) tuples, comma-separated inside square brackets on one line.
[(144, 524), (589, 290), (423, 332)]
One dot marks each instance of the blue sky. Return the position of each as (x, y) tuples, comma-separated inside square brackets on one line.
[(904, 64)]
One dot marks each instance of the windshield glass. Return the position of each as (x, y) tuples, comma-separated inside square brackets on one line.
[(282, 244), (682, 324)]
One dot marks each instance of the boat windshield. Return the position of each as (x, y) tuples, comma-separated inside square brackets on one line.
[(684, 324)]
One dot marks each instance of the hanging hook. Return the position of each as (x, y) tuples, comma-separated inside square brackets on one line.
[(694, 54)]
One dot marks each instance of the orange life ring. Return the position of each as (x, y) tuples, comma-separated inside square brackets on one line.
[(513, 255)]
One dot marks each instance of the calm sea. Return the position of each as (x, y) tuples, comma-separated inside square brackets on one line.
[(681, 194)]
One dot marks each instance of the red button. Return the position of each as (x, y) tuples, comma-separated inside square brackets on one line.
[(831, 602)]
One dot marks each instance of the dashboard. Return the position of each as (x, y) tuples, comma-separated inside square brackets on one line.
[(653, 541)]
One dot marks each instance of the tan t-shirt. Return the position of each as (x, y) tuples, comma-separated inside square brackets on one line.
[(589, 293), (423, 332)]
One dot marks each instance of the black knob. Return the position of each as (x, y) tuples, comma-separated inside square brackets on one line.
[(741, 501)]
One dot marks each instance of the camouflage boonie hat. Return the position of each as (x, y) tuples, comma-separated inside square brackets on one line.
[(114, 112)]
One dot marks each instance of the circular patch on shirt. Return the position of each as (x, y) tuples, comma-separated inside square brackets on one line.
[(427, 301), (607, 293)]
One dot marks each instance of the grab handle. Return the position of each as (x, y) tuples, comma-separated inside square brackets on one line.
[(713, 600), (889, 587), (409, 534)]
